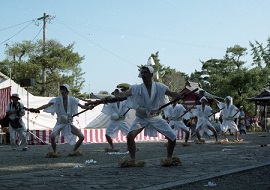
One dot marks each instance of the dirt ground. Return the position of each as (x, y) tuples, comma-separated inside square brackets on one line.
[(258, 178), (18, 161)]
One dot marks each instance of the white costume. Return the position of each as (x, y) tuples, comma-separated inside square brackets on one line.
[(174, 113), (118, 115), (64, 119), (141, 99), (203, 118), (229, 114)]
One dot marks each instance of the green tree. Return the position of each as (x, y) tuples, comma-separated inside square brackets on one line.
[(261, 55), (104, 92), (229, 76), (225, 76), (160, 70), (61, 64), (175, 80)]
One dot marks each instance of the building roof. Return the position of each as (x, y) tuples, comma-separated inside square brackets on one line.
[(192, 86), (262, 97)]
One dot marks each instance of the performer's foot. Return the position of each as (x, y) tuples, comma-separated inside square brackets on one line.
[(25, 149), (185, 144), (202, 141), (225, 140), (137, 149), (53, 155), (238, 140), (111, 150), (131, 163), (75, 153), (167, 162)]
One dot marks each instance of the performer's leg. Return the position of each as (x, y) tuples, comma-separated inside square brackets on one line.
[(197, 132), (170, 147), (235, 131), (131, 142), (53, 141), (78, 133), (214, 132), (236, 136), (187, 134), (109, 139), (170, 135), (224, 135)]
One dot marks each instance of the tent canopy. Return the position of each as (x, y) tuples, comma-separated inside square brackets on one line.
[(44, 121)]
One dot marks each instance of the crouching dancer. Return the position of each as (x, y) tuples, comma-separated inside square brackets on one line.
[(203, 112), (229, 114), (117, 111), (175, 113), (146, 98), (64, 106)]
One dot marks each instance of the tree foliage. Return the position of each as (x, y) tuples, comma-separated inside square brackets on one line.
[(60, 64), (175, 80), (229, 76)]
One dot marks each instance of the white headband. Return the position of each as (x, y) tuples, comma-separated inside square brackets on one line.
[(203, 98), (66, 86), (229, 98), (150, 68)]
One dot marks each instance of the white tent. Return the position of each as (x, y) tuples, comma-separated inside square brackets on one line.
[(45, 121)]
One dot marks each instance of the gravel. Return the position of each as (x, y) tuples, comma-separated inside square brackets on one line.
[(253, 179), (19, 162)]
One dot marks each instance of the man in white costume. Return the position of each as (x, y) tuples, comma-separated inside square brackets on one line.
[(117, 111), (65, 106), (203, 112), (229, 114), (146, 98), (175, 114)]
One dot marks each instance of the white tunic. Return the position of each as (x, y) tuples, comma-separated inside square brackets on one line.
[(229, 114), (174, 113), (203, 118), (58, 108), (141, 98), (117, 121)]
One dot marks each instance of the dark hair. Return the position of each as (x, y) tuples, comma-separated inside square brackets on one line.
[(145, 67), (63, 87)]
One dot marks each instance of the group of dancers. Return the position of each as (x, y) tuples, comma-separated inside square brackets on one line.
[(146, 98)]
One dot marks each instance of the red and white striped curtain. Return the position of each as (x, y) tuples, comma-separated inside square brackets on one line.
[(5, 94)]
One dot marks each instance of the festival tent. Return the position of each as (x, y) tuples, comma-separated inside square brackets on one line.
[(92, 123)]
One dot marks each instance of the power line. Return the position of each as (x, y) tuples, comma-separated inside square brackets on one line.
[(17, 33), (143, 36), (97, 44), (16, 25), (37, 34)]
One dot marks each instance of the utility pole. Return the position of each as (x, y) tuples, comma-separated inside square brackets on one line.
[(44, 18)]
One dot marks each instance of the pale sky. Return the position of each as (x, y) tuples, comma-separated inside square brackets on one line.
[(117, 35)]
